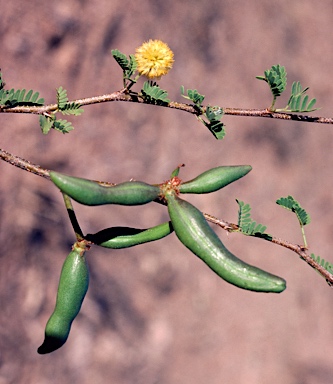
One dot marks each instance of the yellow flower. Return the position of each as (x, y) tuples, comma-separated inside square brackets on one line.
[(154, 59)]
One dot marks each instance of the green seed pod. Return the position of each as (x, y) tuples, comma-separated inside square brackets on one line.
[(195, 233), (90, 192), (214, 179), (73, 286), (125, 237)]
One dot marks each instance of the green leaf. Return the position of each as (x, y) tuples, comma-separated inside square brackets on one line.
[(12, 98), (153, 94), (64, 106), (214, 113), (248, 226), (299, 101), (21, 94), (193, 95), (63, 126), (46, 123), (3, 97), (28, 95), (16, 96), (72, 109), (128, 66), (132, 67), (216, 128), (121, 59), (276, 77), (291, 204), (62, 98)]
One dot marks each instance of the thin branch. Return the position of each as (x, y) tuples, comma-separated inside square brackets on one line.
[(33, 168), (124, 95), (277, 115), (24, 164), (300, 250), (45, 109)]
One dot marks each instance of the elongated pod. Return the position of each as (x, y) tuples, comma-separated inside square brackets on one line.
[(194, 232), (214, 179), (73, 286), (125, 237), (90, 192)]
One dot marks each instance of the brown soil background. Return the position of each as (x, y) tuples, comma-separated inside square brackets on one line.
[(155, 313)]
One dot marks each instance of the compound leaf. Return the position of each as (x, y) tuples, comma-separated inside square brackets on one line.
[(248, 226), (128, 66), (214, 113), (62, 126), (62, 98), (46, 123), (153, 94), (299, 101), (12, 98), (217, 129), (121, 59), (193, 95), (276, 78), (132, 67), (291, 204), (72, 109)]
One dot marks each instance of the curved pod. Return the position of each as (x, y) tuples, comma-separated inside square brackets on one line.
[(195, 233), (73, 286), (214, 179), (90, 192), (125, 237)]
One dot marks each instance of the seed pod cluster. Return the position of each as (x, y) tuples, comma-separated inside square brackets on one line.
[(187, 221), (73, 286)]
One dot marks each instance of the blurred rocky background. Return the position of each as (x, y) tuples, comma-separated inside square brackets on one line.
[(155, 313)]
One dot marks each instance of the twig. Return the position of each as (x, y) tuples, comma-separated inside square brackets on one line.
[(24, 164), (124, 95), (300, 250), (33, 168), (277, 115)]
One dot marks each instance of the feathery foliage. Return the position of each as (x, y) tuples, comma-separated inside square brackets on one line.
[(48, 122), (64, 106), (215, 126), (248, 226), (292, 205), (276, 78), (299, 101), (193, 95), (153, 94), (128, 66), (12, 98)]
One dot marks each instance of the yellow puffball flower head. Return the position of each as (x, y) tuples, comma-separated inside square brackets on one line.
[(154, 59)]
